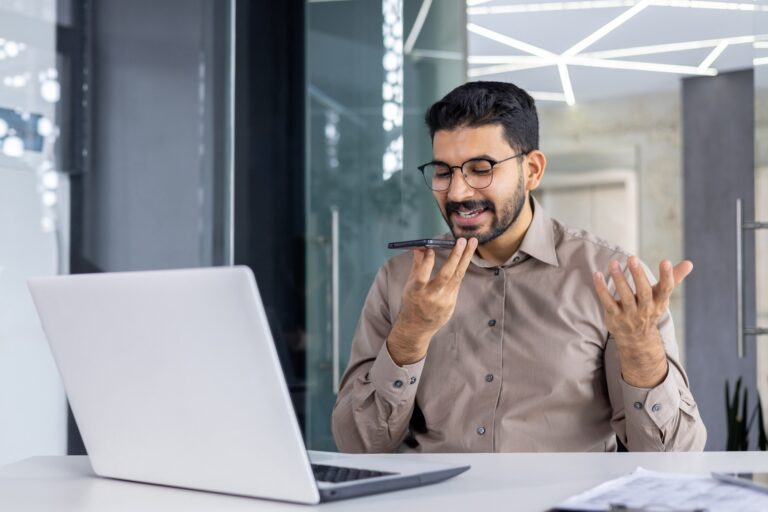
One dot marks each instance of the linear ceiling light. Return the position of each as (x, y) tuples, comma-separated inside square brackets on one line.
[(668, 48), (547, 96), (502, 68), (606, 29), (700, 4), (508, 41), (640, 66), (713, 55), (511, 59), (549, 7), (583, 60), (565, 78), (761, 61), (604, 4), (417, 26)]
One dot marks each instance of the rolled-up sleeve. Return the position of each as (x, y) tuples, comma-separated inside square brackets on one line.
[(376, 398)]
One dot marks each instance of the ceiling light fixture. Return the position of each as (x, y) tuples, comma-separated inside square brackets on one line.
[(417, 26), (565, 79), (509, 41), (547, 96), (605, 4), (713, 55), (606, 29), (502, 68), (669, 47), (549, 7), (632, 65), (583, 60), (700, 4)]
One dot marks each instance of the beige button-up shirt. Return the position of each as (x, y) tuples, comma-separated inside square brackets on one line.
[(524, 364)]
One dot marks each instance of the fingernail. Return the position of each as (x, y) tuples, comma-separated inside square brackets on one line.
[(461, 242), (633, 262), (614, 266)]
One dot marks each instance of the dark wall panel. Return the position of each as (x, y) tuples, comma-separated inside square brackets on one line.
[(718, 146)]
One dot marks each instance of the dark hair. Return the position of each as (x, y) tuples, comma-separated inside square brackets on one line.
[(481, 103)]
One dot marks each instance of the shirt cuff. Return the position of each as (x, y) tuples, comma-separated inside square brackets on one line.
[(660, 404), (394, 383)]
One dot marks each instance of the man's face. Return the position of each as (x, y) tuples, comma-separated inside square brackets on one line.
[(481, 213)]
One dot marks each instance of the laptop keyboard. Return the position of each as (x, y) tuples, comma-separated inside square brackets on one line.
[(336, 474)]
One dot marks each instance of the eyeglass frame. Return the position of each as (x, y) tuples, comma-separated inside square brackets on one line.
[(491, 161)]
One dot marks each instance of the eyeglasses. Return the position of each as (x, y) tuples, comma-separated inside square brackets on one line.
[(477, 172)]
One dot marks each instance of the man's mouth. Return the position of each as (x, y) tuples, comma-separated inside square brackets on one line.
[(469, 214)]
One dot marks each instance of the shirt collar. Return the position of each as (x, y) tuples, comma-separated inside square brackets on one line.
[(539, 240)]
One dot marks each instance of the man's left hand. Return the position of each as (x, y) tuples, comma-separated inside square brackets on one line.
[(633, 319)]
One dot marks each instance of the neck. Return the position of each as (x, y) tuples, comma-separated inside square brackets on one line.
[(501, 248)]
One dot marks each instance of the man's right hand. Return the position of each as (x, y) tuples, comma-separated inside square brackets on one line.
[(428, 304)]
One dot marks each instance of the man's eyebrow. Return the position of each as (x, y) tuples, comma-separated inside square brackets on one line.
[(477, 157)]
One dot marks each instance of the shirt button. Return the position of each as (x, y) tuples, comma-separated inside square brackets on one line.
[(489, 378), (491, 322), (496, 272), (413, 380), (638, 405), (480, 431), (398, 383), (515, 259), (656, 407)]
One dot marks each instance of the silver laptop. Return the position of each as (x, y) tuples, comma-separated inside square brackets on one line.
[(174, 379)]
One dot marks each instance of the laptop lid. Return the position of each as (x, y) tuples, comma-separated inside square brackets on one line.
[(174, 379)]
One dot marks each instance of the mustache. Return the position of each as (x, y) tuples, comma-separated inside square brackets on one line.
[(453, 206)]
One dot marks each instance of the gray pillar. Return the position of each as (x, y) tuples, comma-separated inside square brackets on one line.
[(718, 155)]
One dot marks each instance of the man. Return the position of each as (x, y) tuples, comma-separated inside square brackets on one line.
[(514, 340)]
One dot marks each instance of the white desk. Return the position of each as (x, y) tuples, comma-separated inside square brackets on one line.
[(496, 482)]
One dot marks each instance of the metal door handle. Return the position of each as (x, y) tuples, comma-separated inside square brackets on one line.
[(742, 330), (335, 333)]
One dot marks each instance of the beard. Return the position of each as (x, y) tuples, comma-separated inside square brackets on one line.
[(501, 221)]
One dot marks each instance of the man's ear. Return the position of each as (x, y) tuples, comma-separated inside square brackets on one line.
[(533, 169)]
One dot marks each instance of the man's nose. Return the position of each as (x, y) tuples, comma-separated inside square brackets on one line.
[(459, 190)]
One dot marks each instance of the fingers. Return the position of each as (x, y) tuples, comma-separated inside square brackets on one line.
[(681, 271), (610, 305), (451, 264), (423, 262), (666, 284), (466, 257), (622, 287), (643, 290)]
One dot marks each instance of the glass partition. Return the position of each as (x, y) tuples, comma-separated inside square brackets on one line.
[(34, 233), (373, 68)]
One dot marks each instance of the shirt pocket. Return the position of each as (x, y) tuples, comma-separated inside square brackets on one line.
[(439, 379)]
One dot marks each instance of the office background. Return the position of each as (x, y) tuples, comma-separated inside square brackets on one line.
[(286, 135)]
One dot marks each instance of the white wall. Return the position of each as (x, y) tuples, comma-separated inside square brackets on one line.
[(642, 133)]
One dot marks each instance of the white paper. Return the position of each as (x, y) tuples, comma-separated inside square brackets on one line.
[(663, 492)]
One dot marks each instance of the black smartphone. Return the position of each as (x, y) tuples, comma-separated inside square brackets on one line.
[(424, 242)]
